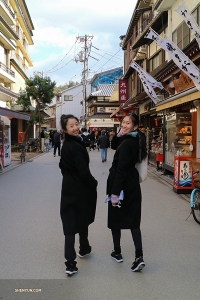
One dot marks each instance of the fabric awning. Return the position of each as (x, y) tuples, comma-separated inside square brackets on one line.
[(14, 114)]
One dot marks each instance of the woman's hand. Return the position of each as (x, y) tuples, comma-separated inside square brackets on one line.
[(120, 133), (114, 200)]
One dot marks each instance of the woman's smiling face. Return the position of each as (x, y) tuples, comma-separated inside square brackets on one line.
[(72, 127), (127, 125)]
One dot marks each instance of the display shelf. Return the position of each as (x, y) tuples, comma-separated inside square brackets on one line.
[(183, 134), (183, 125)]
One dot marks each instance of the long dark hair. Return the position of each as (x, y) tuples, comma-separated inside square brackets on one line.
[(64, 119), (141, 136)]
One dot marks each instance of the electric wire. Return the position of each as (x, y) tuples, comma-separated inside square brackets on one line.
[(63, 58)]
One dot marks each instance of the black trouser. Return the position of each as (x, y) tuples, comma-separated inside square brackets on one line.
[(56, 145), (137, 239), (70, 253)]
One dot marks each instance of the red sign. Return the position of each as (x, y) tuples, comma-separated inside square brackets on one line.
[(123, 90)]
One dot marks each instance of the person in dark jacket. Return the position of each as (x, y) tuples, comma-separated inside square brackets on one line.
[(123, 176), (92, 140), (78, 196), (57, 142), (103, 144)]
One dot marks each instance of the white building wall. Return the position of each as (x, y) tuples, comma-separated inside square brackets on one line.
[(71, 107)]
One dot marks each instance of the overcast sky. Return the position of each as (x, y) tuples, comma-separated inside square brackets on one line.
[(58, 23)]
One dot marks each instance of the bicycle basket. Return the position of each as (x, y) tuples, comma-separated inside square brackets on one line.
[(22, 146)]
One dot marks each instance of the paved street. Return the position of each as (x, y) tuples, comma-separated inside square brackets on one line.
[(32, 241)]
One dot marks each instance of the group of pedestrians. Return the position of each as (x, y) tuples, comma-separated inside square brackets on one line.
[(79, 191)]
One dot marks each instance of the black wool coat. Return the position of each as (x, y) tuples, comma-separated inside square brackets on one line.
[(124, 176), (78, 195)]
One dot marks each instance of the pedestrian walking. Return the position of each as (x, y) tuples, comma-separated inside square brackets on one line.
[(78, 196), (92, 141), (123, 176), (103, 144), (57, 142)]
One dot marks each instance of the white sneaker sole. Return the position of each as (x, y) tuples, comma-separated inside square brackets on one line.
[(71, 272), (139, 267), (117, 260), (82, 256)]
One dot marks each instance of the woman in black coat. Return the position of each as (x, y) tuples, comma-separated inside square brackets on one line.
[(78, 196), (124, 177)]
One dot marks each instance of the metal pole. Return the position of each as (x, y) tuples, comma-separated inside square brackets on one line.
[(85, 79)]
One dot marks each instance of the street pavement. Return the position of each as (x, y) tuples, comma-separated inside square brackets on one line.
[(32, 241)]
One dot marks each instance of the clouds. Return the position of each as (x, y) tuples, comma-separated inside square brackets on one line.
[(58, 23)]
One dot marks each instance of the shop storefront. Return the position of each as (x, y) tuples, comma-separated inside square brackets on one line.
[(5, 133), (179, 134)]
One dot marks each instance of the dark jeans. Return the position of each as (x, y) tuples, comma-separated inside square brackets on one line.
[(137, 239), (70, 253), (56, 145)]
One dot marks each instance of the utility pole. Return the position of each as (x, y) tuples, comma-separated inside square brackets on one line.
[(83, 57)]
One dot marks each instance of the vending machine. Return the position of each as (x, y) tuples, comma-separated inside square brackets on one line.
[(1, 145), (5, 142)]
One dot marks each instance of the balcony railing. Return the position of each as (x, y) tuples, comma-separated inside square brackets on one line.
[(8, 8), (7, 70), (19, 61)]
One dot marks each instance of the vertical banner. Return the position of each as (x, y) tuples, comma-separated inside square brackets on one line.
[(184, 12), (123, 90), (179, 58)]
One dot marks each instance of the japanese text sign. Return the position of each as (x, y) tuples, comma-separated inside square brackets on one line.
[(123, 90)]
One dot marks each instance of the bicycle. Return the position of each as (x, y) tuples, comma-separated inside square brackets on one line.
[(195, 200), (22, 148)]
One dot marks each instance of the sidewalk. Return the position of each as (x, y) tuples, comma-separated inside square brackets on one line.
[(166, 180), (15, 160)]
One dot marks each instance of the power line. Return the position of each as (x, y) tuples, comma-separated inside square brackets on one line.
[(62, 58)]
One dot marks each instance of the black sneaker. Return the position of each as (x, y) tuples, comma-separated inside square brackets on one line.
[(71, 268), (117, 257), (83, 254), (138, 265)]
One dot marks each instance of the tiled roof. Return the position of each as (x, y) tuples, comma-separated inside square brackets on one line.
[(99, 116), (105, 90)]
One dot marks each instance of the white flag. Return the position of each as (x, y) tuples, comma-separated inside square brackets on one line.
[(148, 89), (180, 59), (148, 77), (184, 12)]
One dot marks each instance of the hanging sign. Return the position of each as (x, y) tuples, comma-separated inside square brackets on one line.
[(179, 58), (184, 12), (123, 90)]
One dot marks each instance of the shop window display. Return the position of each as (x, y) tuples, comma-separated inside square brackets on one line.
[(178, 137)]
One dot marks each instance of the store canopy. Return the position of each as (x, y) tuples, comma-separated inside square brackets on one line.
[(13, 114), (180, 98)]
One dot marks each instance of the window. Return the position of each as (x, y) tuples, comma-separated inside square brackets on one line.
[(68, 98), (182, 36), (156, 61)]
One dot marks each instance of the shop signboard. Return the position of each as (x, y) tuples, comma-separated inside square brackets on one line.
[(185, 179), (110, 109), (100, 109), (176, 172), (123, 90)]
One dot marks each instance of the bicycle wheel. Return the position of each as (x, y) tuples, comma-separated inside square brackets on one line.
[(24, 156), (21, 158), (196, 206)]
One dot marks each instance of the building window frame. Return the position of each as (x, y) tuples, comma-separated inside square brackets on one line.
[(68, 97)]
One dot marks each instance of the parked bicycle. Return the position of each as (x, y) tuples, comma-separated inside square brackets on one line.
[(22, 148), (195, 200)]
